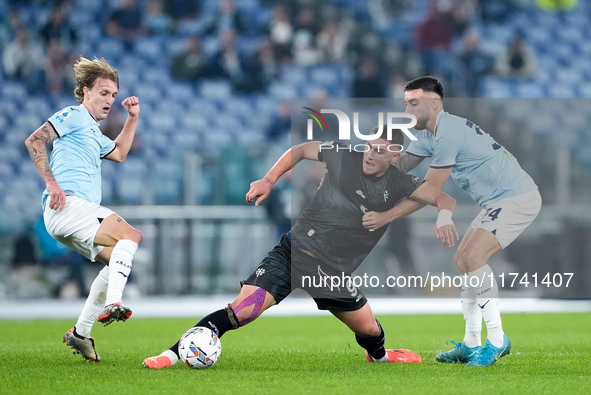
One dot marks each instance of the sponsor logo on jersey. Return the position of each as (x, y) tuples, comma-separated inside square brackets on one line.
[(63, 116)]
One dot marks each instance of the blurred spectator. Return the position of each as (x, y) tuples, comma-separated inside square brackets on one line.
[(8, 27), (58, 27), (180, 10), (59, 70), (396, 87), (226, 18), (433, 39), (192, 64), (265, 68), (112, 125), (125, 22), (156, 21), (281, 33), (368, 82), (516, 61), (23, 61), (307, 20), (228, 63), (304, 45), (461, 13), (280, 124), (475, 63), (333, 41), (304, 50), (384, 11)]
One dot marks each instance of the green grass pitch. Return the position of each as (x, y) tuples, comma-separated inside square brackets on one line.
[(551, 354)]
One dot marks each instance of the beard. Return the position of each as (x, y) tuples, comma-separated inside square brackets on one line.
[(421, 123)]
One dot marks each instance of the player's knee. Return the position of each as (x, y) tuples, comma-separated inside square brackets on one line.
[(136, 236), (368, 329), (470, 260)]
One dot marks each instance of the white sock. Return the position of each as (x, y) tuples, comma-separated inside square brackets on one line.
[(473, 318), (119, 269), (94, 303), (487, 299), (171, 355)]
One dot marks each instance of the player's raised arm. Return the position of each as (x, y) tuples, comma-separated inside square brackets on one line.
[(124, 140), (36, 144), (261, 188)]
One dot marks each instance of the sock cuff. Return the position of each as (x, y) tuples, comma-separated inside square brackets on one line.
[(232, 316), (483, 271), (127, 247)]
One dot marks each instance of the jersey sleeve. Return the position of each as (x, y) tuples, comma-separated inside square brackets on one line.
[(418, 148), (63, 121), (107, 146), (446, 147)]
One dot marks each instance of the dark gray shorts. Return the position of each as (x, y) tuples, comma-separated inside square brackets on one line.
[(284, 270)]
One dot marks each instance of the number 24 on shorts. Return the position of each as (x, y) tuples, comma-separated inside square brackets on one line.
[(493, 214)]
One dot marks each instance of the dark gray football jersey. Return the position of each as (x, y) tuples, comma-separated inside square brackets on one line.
[(330, 227)]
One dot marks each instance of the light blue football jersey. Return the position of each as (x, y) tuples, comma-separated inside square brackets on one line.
[(481, 166), (77, 153)]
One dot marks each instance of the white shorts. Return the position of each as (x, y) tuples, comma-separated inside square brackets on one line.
[(76, 226), (508, 218)]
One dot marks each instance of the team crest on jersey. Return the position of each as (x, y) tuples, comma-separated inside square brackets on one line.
[(63, 116), (386, 195), (416, 180), (360, 193)]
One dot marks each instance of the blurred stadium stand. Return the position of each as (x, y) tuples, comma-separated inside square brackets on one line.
[(186, 125)]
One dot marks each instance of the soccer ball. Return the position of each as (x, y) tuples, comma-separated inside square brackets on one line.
[(200, 348)]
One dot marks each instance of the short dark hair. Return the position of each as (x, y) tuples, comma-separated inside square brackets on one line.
[(397, 136), (427, 84)]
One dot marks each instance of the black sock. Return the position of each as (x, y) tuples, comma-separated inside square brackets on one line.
[(219, 321), (373, 345)]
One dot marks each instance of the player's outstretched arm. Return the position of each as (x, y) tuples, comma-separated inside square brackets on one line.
[(124, 140), (36, 144), (373, 220), (444, 229), (261, 188)]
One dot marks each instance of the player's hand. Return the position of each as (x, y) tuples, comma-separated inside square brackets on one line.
[(373, 220), (57, 197), (132, 105), (258, 189), (448, 234)]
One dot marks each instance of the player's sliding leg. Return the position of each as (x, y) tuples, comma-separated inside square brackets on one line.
[(370, 336), (78, 338), (250, 304)]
